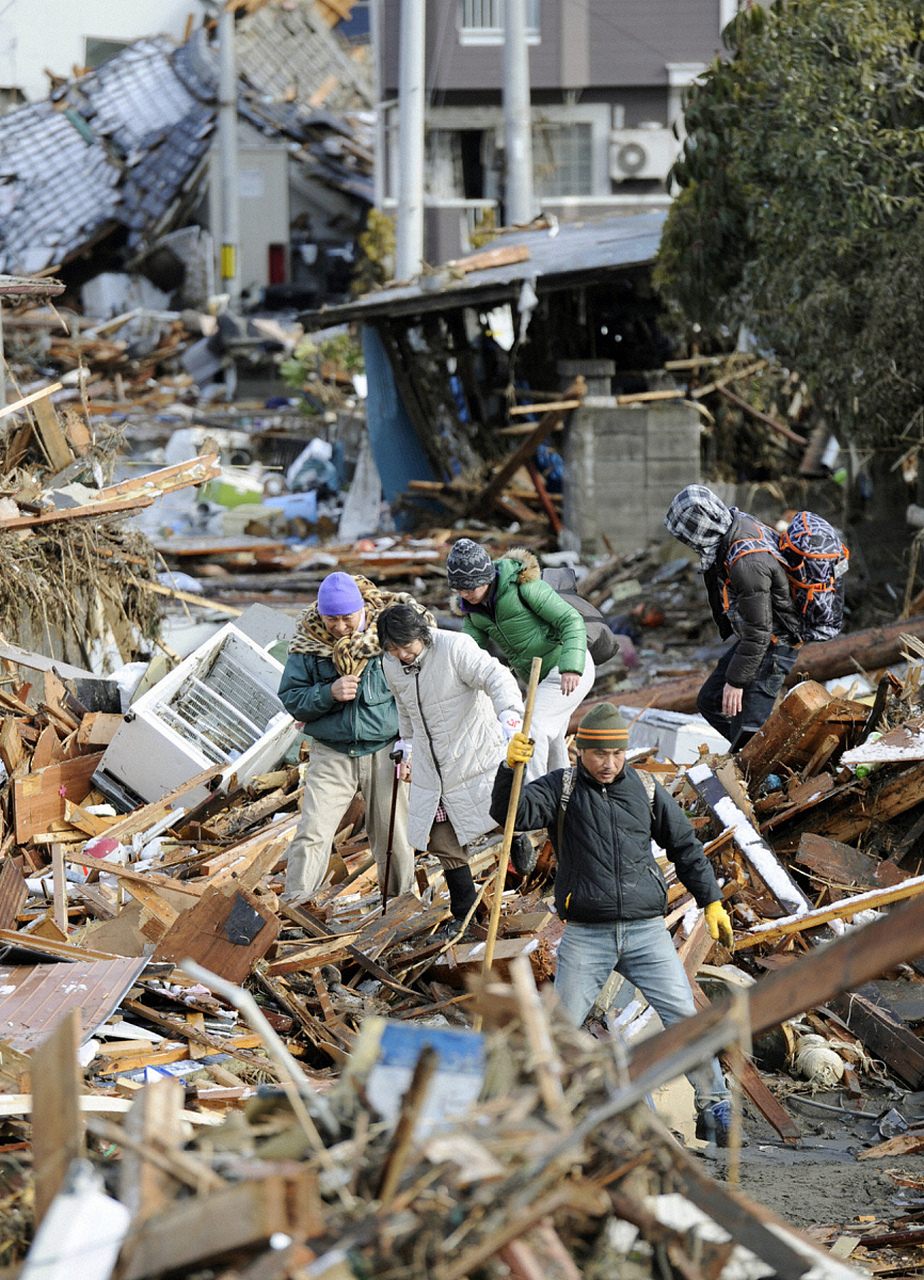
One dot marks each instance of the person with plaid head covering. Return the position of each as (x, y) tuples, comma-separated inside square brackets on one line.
[(750, 598), (333, 683)]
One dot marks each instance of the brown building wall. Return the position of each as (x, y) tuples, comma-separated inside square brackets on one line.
[(584, 44), (631, 41)]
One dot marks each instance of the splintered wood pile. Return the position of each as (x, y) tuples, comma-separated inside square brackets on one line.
[(74, 581), (557, 1168)]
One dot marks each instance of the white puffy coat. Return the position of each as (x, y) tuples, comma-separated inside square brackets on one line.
[(446, 708)]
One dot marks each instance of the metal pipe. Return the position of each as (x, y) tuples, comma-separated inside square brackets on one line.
[(297, 1088), (378, 168)]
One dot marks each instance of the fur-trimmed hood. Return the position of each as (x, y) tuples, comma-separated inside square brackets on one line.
[(531, 571)]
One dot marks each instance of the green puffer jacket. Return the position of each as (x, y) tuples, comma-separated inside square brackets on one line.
[(355, 728), (526, 618)]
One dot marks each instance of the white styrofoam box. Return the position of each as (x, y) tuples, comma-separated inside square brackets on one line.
[(219, 706), (673, 735)]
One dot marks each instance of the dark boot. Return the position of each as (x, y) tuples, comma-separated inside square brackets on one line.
[(713, 1124), (522, 854), (462, 891)]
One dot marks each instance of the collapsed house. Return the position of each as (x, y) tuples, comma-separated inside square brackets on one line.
[(115, 160), (449, 354)]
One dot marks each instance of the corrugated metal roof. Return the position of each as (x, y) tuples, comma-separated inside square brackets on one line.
[(558, 257), (35, 998)]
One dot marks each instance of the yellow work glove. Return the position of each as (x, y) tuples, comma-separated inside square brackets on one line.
[(719, 925), (519, 749)]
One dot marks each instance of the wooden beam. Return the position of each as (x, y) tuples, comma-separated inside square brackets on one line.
[(51, 435), (153, 1122), (92, 511), (843, 965), (758, 855), (871, 1018), (543, 429), (201, 1229), (57, 1123), (779, 427), (843, 909), (31, 399), (503, 255)]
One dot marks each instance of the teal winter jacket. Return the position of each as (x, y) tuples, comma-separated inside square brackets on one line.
[(355, 728), (526, 618)]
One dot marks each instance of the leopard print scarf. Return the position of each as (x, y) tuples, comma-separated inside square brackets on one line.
[(351, 653)]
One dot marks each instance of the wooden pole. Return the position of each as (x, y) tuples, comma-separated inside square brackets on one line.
[(514, 801)]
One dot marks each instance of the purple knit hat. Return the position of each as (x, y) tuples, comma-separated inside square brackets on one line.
[(338, 594)]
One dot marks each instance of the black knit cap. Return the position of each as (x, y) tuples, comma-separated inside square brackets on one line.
[(468, 566)]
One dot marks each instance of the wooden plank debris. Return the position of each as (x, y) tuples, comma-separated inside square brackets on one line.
[(57, 1127), (224, 932)]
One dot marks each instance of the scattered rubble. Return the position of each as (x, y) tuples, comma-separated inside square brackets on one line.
[(244, 1088)]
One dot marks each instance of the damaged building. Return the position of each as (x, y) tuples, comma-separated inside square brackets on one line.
[(114, 161), (450, 356)]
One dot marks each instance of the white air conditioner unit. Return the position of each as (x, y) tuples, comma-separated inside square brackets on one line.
[(642, 153), (218, 707)]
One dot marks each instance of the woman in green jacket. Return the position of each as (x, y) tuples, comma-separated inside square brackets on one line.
[(508, 602)]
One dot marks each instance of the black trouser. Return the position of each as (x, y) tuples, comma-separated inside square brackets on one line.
[(758, 697)]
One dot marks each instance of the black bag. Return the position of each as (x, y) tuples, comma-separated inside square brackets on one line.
[(601, 643)]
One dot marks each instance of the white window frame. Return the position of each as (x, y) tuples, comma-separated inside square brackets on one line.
[(597, 114), (469, 34)]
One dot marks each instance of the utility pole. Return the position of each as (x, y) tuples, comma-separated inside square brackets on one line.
[(411, 72), (378, 171), (227, 154), (518, 141)]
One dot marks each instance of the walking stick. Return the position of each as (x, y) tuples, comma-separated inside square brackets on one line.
[(396, 757), (512, 804)]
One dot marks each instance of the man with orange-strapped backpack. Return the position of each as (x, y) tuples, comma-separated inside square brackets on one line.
[(768, 591)]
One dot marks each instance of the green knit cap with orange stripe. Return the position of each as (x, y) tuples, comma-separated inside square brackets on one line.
[(603, 729)]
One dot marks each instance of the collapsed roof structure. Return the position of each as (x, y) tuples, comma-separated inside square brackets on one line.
[(123, 149)]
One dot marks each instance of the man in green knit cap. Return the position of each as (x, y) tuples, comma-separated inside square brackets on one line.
[(602, 818)]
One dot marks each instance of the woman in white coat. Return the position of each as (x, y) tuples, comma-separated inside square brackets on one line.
[(456, 708)]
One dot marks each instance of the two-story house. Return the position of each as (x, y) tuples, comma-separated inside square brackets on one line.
[(606, 80)]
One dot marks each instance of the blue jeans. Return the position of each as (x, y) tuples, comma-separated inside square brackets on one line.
[(758, 697), (643, 952)]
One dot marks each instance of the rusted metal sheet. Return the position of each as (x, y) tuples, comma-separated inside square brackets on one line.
[(35, 998), (30, 286)]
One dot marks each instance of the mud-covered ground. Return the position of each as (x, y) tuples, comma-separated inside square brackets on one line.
[(821, 1182)]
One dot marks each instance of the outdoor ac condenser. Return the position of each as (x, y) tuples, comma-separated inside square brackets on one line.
[(219, 706), (642, 153)]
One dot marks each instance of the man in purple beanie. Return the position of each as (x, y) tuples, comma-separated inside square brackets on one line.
[(333, 683)]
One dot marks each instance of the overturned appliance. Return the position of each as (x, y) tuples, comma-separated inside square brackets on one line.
[(218, 707)]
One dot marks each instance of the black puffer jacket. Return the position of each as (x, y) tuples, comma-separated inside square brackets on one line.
[(760, 605), (606, 870)]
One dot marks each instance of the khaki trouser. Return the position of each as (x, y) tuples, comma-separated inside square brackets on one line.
[(331, 781), (445, 844)]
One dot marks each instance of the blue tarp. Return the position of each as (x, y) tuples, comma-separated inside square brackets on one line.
[(396, 449)]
